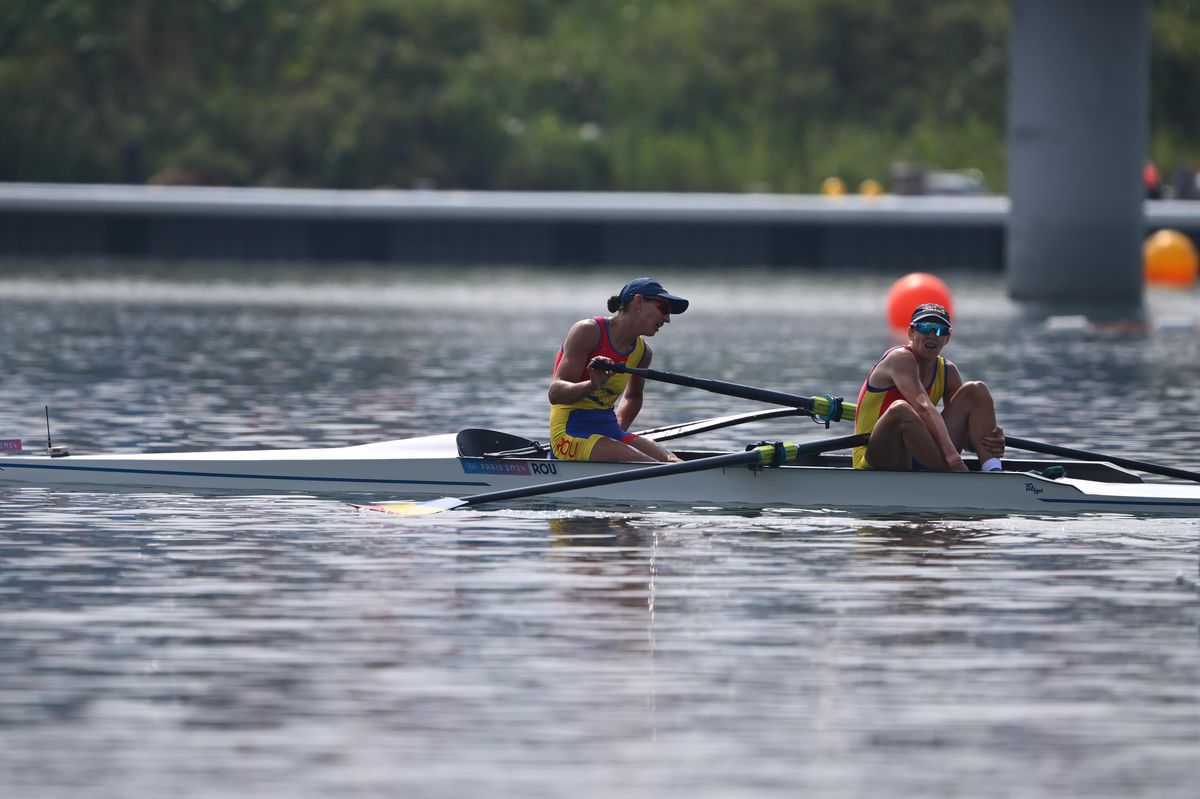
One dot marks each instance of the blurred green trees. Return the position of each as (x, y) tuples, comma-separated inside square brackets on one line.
[(688, 95)]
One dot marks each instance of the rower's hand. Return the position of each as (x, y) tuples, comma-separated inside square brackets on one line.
[(993, 442), (600, 369)]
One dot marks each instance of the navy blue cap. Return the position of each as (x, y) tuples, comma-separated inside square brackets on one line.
[(931, 311), (651, 288)]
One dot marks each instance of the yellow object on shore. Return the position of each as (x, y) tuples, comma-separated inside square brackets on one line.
[(833, 187)]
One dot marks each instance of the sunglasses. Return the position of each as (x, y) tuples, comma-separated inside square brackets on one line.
[(931, 328), (663, 306)]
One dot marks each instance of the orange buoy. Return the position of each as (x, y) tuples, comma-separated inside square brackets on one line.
[(910, 291), (1169, 259)]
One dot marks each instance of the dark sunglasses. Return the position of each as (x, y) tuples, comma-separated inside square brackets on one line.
[(931, 328), (663, 306)]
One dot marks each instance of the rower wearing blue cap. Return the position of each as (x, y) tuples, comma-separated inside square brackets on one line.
[(591, 407)]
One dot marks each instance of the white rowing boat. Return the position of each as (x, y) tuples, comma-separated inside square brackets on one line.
[(480, 461)]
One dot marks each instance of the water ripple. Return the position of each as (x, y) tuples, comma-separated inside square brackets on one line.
[(203, 645)]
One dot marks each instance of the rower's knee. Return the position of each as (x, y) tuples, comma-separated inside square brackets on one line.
[(901, 414), (974, 391)]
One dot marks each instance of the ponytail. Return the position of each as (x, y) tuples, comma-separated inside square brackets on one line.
[(614, 304)]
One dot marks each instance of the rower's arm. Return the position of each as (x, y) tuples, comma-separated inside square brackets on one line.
[(631, 401), (901, 367), (954, 381), (582, 339)]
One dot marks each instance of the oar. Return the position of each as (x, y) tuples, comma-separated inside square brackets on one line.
[(829, 409), (763, 454), (1084, 455), (705, 425), (667, 432)]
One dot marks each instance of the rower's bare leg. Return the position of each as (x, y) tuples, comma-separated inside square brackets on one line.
[(898, 438), (970, 415), (609, 449), (654, 449)]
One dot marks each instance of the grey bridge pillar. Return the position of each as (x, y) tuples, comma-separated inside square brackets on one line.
[(1077, 135)]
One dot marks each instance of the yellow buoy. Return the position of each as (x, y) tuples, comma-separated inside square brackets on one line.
[(871, 188), (1169, 258), (833, 187)]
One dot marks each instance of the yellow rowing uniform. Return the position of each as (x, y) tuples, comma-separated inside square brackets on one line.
[(874, 400), (575, 428)]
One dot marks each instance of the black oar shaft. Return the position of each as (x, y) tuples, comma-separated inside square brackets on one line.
[(663, 470), (839, 410), (720, 387), (764, 453), (1084, 455), (708, 425)]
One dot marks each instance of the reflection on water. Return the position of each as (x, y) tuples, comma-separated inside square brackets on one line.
[(215, 645)]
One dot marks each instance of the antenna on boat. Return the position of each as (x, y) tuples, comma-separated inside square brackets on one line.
[(51, 450)]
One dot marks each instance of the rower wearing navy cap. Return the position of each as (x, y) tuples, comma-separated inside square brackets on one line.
[(897, 406), (591, 407)]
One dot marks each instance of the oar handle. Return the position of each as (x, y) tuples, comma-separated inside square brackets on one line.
[(824, 408)]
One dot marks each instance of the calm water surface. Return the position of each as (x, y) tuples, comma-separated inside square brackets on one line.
[(185, 645)]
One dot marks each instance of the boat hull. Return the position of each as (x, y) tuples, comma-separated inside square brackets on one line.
[(421, 468)]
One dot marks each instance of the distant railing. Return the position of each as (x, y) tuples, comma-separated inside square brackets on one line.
[(555, 228)]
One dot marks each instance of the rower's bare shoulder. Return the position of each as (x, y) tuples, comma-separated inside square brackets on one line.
[(589, 326), (585, 332), (900, 358)]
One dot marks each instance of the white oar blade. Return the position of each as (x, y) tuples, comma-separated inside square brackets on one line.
[(416, 508)]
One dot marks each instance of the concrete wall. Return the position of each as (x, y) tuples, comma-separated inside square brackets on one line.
[(884, 233), (889, 234)]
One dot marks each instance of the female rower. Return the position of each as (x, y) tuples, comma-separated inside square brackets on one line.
[(896, 405), (592, 407)]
